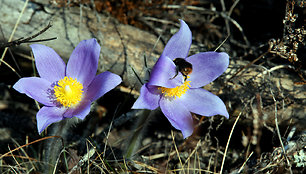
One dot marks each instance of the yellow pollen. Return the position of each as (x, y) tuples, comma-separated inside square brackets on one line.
[(68, 91), (175, 92)]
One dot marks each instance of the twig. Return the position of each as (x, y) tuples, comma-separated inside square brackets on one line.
[(14, 157), (99, 156), (123, 48), (45, 138), (57, 161), (15, 27), (228, 141), (189, 7), (138, 78), (193, 151), (117, 122), (222, 43), (25, 153), (163, 21), (225, 19), (208, 11), (28, 39), (8, 65), (232, 7), (237, 26), (10, 51), (274, 68), (249, 64), (85, 158), (177, 152), (278, 133), (245, 162)]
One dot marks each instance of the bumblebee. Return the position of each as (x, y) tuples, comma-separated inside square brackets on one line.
[(182, 66)]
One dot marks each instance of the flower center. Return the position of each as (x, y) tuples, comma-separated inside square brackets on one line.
[(175, 92), (68, 91)]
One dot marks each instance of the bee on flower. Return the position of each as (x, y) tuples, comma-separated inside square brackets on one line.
[(176, 82)]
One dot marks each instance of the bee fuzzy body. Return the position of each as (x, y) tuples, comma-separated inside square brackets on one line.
[(182, 66)]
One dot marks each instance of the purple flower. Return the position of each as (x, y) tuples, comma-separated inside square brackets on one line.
[(179, 93), (68, 91)]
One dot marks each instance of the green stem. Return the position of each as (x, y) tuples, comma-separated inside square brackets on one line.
[(137, 135), (54, 146)]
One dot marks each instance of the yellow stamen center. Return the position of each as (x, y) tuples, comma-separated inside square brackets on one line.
[(68, 91), (175, 92)]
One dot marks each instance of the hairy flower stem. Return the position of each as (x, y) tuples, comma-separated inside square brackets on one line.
[(54, 147), (136, 138)]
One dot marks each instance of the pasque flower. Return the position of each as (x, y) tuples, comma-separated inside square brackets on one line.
[(179, 94), (66, 91)]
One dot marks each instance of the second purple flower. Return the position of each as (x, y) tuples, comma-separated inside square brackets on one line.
[(176, 80)]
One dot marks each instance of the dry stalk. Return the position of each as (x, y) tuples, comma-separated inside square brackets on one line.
[(228, 141), (278, 133), (14, 30)]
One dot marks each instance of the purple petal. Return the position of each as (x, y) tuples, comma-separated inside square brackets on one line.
[(81, 110), (179, 44), (83, 62), (49, 64), (204, 103), (48, 115), (147, 99), (35, 88), (178, 115), (101, 84), (163, 72), (207, 67)]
